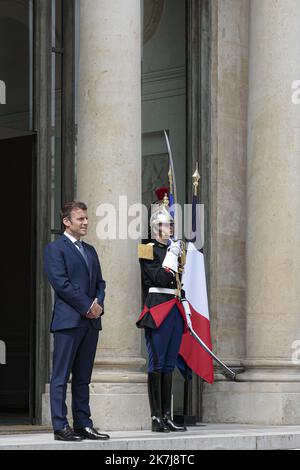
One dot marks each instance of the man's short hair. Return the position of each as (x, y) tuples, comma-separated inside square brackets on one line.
[(66, 210)]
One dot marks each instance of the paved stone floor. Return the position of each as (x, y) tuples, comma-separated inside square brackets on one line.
[(208, 437)]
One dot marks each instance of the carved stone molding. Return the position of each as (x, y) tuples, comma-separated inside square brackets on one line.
[(165, 83), (153, 10)]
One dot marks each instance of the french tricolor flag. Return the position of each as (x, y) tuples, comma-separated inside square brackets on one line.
[(194, 285)]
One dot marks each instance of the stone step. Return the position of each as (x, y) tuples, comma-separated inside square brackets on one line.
[(208, 437)]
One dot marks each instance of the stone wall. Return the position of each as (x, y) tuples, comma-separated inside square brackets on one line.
[(228, 176)]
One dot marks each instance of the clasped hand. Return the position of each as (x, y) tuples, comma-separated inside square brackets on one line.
[(175, 247), (95, 311)]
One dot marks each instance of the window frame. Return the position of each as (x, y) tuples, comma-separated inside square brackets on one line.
[(42, 124)]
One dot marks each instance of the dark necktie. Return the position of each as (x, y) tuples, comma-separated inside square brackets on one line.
[(82, 251)]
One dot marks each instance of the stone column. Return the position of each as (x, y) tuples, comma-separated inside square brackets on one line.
[(270, 392), (109, 166)]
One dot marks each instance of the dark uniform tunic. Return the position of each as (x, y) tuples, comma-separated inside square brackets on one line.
[(163, 316)]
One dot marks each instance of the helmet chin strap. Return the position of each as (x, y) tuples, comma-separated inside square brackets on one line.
[(164, 233), (163, 241)]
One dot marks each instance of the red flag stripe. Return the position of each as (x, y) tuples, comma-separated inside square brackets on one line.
[(193, 353)]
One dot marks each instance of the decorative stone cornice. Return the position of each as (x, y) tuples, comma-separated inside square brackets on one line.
[(163, 83)]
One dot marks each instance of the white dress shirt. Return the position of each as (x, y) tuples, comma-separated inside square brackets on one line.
[(73, 239)]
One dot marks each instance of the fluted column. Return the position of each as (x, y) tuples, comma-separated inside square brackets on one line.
[(270, 392), (109, 166)]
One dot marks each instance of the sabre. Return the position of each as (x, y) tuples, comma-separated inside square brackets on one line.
[(171, 165), (172, 181), (228, 372)]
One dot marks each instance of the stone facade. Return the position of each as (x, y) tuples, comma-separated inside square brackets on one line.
[(268, 390), (254, 205)]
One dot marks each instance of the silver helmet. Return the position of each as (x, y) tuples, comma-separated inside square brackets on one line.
[(160, 214)]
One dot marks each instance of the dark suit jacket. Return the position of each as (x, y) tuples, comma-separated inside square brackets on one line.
[(75, 285)]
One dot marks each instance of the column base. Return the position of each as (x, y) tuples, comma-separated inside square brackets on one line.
[(114, 406), (268, 403), (118, 395)]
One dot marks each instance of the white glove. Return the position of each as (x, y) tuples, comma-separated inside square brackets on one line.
[(175, 247), (171, 261), (171, 258)]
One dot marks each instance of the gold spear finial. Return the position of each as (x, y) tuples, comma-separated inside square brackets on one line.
[(196, 178), (166, 201)]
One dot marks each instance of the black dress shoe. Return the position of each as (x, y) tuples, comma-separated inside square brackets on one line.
[(66, 434), (91, 433)]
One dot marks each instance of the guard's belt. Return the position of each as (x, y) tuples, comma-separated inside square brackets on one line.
[(162, 290)]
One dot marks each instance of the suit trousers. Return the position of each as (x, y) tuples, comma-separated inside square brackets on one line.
[(74, 352)]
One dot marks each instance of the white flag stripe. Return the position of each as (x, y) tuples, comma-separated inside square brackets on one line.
[(194, 280)]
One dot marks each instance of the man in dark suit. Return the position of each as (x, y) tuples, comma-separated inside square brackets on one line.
[(74, 272)]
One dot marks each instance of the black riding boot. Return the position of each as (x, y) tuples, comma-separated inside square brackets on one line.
[(166, 394), (154, 392)]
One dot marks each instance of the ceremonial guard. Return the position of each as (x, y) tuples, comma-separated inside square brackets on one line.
[(163, 317)]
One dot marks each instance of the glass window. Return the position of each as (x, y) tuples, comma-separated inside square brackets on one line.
[(63, 18), (16, 67)]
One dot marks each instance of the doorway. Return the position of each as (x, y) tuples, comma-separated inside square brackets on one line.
[(17, 317), (164, 96)]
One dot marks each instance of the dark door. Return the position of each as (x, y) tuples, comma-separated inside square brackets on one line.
[(17, 286)]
